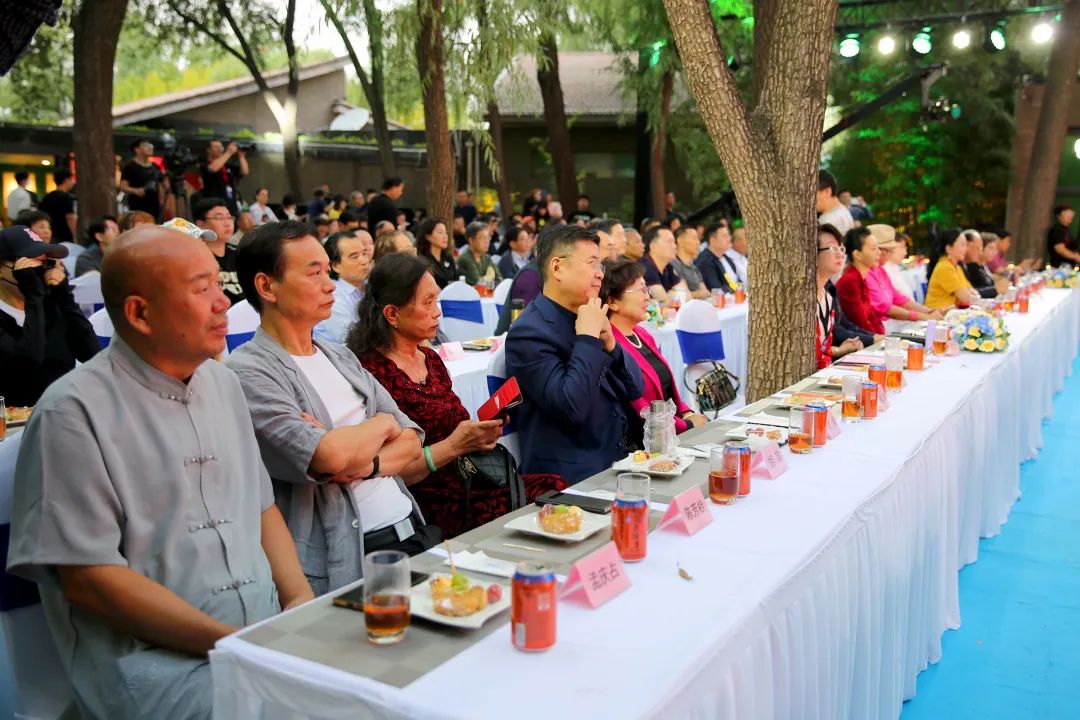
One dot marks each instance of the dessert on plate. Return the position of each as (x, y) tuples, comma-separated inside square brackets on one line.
[(560, 519)]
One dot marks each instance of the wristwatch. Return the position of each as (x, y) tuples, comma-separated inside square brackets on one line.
[(374, 468)]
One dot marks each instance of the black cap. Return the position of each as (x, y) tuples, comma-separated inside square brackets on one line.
[(21, 242)]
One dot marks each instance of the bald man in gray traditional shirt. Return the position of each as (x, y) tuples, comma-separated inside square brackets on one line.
[(141, 505)]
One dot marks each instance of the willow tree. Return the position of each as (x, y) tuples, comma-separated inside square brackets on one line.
[(552, 15), (770, 148)]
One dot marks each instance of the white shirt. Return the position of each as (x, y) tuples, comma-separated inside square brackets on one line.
[(17, 201), (378, 502), (839, 217), (900, 281), (262, 214), (335, 327), (741, 263), (14, 312)]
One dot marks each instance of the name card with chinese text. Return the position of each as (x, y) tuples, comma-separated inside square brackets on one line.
[(687, 512), (769, 461), (451, 351), (596, 578), (832, 425)]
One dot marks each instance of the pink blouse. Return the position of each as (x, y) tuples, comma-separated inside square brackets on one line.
[(883, 295)]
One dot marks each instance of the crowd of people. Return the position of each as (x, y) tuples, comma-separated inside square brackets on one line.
[(168, 493)]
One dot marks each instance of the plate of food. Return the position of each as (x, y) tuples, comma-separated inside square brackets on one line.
[(664, 466), (561, 522), (763, 433), (803, 397), (17, 416), (458, 600), (478, 345)]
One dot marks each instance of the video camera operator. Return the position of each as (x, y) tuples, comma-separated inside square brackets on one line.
[(219, 175), (143, 183)]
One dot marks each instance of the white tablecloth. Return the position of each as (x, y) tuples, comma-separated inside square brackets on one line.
[(821, 595)]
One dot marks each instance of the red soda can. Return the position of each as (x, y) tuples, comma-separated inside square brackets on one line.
[(870, 399), (533, 602), (820, 421), (744, 469)]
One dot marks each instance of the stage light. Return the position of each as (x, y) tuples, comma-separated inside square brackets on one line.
[(1042, 32), (1076, 148), (922, 43), (850, 46), (961, 39), (46, 162), (995, 39), (886, 44)]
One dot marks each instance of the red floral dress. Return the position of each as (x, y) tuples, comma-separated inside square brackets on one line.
[(434, 407)]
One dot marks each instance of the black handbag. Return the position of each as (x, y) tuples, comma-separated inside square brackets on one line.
[(714, 390), (494, 468)]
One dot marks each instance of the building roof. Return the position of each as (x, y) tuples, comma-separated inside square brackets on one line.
[(181, 100), (590, 83)]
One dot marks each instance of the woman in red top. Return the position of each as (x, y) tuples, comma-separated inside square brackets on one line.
[(830, 259), (851, 289), (400, 311)]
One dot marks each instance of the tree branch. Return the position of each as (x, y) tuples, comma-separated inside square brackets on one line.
[(332, 16), (248, 58), (205, 30)]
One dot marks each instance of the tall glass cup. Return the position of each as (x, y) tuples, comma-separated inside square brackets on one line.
[(630, 516), (386, 596), (851, 408), (894, 371), (724, 468), (3, 419), (800, 430)]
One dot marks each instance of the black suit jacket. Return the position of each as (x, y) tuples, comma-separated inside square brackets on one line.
[(712, 270)]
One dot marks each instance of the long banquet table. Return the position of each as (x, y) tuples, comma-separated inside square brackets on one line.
[(821, 595)]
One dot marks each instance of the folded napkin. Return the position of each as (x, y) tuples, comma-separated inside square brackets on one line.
[(480, 562)]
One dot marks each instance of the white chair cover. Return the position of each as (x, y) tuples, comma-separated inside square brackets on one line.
[(103, 327), (243, 321), (74, 251), (697, 328), (462, 313), (87, 291), (496, 377)]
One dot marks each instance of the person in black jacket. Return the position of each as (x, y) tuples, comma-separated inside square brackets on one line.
[(42, 330), (433, 245), (383, 206), (717, 269), (976, 271)]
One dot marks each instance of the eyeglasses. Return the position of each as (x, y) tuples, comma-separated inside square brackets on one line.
[(643, 289), (831, 248), (597, 265)]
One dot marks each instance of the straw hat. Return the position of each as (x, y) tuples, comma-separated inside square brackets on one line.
[(884, 234)]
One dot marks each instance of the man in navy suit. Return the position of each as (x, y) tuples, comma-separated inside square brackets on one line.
[(575, 379)]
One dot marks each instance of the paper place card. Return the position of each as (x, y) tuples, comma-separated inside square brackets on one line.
[(882, 400), (769, 461), (687, 512), (497, 341), (451, 351), (596, 578), (832, 425), (480, 562)]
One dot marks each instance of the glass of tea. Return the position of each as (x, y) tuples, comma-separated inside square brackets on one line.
[(386, 596), (941, 338), (800, 430), (630, 516), (894, 371), (851, 406), (718, 297), (724, 468), (916, 357), (3, 419)]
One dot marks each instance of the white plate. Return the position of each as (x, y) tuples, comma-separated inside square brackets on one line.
[(627, 464), (743, 433), (591, 523), (420, 605)]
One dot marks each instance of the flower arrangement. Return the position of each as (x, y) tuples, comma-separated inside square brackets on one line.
[(979, 331), (1063, 277)]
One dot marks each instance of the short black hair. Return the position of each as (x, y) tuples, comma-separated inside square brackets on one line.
[(603, 225), (583, 196), (830, 229), (205, 205), (474, 228), (28, 217), (618, 276), (855, 238), (262, 251), (683, 229), (288, 199), (557, 240), (21, 175), (332, 249), (826, 180), (319, 192), (710, 232), (136, 143), (348, 216), (649, 235), (99, 226), (321, 220), (392, 182), (1003, 233), (61, 176), (1058, 209)]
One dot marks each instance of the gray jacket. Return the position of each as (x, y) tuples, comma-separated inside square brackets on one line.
[(329, 537)]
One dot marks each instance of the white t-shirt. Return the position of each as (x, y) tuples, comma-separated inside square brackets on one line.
[(378, 502), (16, 313), (839, 217)]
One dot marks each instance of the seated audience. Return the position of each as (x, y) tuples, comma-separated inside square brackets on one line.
[(606, 229), (886, 300), (38, 223), (627, 298), (739, 253), (42, 331), (948, 285), (245, 223), (687, 247), (852, 289), (718, 271), (433, 245), (349, 269), (574, 376), (384, 226), (289, 207), (149, 550), (397, 241), (260, 209), (518, 253), (835, 336), (659, 272), (131, 220), (101, 233), (459, 232), (634, 249), (399, 314), (322, 227), (976, 271), (893, 260), (525, 287), (354, 220), (332, 439), (213, 214), (474, 262)]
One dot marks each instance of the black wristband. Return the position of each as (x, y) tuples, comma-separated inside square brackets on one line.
[(374, 467)]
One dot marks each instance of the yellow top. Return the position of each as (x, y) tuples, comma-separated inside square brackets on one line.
[(946, 280)]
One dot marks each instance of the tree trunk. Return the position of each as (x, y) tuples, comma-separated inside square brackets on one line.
[(659, 143), (290, 137), (502, 183), (377, 97), (1044, 162), (562, 156), (96, 27), (772, 154), (430, 59)]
